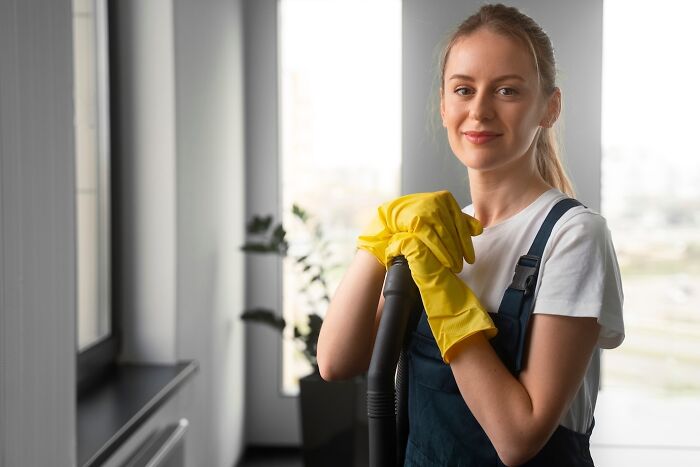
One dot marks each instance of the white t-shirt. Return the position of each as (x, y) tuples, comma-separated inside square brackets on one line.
[(579, 276)]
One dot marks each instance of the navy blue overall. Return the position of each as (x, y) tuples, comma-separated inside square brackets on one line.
[(442, 430)]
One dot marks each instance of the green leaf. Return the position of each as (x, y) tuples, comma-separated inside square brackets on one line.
[(259, 248), (311, 339), (279, 239), (300, 213), (315, 322), (259, 224), (264, 316), (279, 233)]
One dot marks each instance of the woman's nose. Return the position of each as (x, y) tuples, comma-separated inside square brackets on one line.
[(481, 107)]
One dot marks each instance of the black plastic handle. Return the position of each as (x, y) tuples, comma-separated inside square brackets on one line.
[(387, 422)]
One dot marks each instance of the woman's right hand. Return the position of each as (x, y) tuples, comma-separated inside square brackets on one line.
[(433, 218)]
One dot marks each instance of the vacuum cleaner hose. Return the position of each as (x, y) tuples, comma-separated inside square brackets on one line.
[(385, 415)]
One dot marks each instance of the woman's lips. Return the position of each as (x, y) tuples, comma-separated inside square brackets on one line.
[(481, 137)]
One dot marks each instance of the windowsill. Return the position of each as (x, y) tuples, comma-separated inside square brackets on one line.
[(110, 413)]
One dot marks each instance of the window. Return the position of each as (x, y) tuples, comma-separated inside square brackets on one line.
[(651, 192), (651, 198), (340, 104), (95, 342)]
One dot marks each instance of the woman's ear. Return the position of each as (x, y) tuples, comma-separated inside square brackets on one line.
[(553, 109)]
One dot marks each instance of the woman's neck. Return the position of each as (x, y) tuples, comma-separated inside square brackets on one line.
[(496, 198)]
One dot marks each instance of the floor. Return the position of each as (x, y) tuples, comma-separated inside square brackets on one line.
[(271, 457)]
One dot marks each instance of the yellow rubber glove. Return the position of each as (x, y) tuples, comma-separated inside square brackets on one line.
[(454, 312), (431, 231), (435, 218)]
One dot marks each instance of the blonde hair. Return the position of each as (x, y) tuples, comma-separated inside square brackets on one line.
[(511, 22)]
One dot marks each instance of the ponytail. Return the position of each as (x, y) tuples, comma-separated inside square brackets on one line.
[(548, 163)]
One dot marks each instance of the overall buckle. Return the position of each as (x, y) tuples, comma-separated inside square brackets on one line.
[(526, 274)]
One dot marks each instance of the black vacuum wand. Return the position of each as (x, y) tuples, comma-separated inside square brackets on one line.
[(387, 378)]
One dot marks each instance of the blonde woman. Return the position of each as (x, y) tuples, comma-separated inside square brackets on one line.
[(472, 400)]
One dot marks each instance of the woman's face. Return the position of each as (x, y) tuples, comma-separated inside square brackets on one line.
[(491, 104)]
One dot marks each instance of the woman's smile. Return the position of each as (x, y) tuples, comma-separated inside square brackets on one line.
[(481, 137)]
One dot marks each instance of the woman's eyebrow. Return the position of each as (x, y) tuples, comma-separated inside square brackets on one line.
[(498, 79)]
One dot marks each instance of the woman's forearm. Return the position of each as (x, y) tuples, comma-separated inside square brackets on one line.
[(347, 335), (519, 415)]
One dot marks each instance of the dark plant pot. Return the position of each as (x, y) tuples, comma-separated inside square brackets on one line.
[(333, 422)]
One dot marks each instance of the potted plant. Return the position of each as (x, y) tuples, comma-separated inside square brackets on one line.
[(333, 415)]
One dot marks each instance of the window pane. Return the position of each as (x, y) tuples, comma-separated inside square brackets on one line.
[(340, 88), (651, 191), (92, 169)]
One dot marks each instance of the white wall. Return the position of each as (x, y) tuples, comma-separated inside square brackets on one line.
[(146, 155), (576, 30), (271, 418), (210, 219), (180, 83), (37, 235)]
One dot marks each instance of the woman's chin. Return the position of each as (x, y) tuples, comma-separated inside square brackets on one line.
[(479, 162)]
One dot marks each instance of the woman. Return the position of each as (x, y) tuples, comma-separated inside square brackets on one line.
[(498, 102)]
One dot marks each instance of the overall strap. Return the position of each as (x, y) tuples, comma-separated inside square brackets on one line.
[(558, 210), (518, 299)]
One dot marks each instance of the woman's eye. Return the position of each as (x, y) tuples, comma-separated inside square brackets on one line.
[(462, 91), (507, 92)]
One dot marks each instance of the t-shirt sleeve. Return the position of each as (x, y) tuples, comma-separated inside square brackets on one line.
[(580, 276)]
